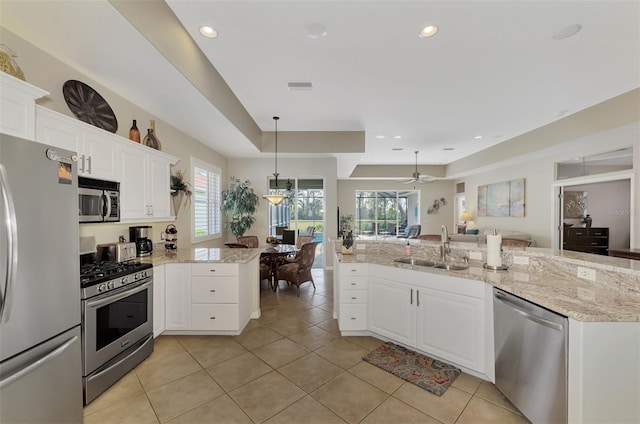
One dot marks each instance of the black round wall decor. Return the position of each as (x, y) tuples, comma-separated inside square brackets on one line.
[(89, 106)]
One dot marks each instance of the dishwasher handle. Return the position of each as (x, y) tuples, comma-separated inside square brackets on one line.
[(502, 298)]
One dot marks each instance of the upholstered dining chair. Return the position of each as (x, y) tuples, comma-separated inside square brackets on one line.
[(506, 241), (250, 241), (297, 270)]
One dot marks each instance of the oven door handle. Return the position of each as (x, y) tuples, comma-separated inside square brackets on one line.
[(92, 304)]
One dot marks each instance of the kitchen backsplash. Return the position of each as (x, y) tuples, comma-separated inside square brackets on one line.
[(111, 232)]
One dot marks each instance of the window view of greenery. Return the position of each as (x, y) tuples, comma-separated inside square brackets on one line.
[(303, 208), (382, 213)]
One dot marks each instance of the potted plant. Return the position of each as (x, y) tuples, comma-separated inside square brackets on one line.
[(239, 202), (179, 189)]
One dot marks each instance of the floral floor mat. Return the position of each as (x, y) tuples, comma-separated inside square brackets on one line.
[(431, 374)]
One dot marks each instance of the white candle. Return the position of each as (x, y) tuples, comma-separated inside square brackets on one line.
[(494, 245)]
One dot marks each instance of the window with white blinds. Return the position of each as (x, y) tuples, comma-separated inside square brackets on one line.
[(206, 201)]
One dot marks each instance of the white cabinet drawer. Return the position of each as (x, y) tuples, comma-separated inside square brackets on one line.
[(214, 316), (353, 296), (214, 289), (214, 269), (354, 269), (352, 317), (350, 282)]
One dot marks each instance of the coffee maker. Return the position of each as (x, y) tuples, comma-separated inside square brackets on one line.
[(141, 236)]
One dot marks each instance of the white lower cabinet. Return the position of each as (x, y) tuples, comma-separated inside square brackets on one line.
[(177, 296), (392, 311), (209, 297), (351, 289), (158, 300), (451, 326), (437, 314)]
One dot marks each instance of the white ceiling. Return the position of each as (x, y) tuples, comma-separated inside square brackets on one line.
[(493, 69)]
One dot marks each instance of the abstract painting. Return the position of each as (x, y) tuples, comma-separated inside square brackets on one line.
[(502, 199)]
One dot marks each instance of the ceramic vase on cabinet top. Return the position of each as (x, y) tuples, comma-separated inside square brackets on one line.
[(150, 140), (134, 133)]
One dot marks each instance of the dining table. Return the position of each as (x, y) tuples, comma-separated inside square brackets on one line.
[(271, 255)]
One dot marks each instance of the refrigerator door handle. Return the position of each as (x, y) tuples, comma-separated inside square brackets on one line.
[(37, 364), (12, 251)]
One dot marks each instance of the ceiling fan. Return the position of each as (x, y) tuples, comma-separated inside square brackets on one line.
[(417, 178)]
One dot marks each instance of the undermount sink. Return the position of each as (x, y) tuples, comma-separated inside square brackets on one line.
[(431, 264), (451, 267), (412, 261)]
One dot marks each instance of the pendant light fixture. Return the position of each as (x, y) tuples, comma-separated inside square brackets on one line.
[(275, 199)]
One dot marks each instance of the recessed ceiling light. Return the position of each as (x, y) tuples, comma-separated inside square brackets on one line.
[(397, 149), (566, 32), (428, 31), (478, 137), (209, 32), (316, 30), (380, 137), (397, 137)]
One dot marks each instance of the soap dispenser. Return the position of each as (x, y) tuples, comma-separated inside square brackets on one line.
[(407, 249)]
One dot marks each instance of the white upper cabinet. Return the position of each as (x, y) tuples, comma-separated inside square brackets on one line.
[(97, 149), (144, 183), (17, 106)]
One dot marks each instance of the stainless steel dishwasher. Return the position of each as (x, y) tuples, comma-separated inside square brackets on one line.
[(531, 357)]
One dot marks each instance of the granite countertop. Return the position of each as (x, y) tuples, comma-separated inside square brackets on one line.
[(161, 256), (552, 287)]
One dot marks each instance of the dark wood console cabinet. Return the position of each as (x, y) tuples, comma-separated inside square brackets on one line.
[(588, 240)]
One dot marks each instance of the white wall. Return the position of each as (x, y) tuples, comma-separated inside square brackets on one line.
[(258, 172)]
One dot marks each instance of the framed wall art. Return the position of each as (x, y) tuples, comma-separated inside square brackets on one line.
[(503, 199)]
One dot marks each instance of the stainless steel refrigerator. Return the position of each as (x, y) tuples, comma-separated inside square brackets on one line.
[(40, 350)]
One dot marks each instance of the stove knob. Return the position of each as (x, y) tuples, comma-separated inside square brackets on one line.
[(125, 280), (102, 287)]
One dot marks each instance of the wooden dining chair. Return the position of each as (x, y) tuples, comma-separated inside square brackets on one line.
[(506, 241), (250, 241), (288, 237), (297, 270)]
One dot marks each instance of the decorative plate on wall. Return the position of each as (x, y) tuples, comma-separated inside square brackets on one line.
[(89, 106)]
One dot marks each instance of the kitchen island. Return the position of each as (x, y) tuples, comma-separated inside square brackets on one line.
[(204, 290), (449, 314)]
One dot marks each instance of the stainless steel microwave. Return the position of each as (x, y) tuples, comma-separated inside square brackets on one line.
[(98, 200)]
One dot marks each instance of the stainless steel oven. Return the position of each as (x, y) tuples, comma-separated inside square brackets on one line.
[(117, 325), (98, 200)]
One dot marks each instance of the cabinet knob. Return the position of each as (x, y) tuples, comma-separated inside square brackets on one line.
[(212, 291), (212, 317), (353, 298), (212, 270), (353, 284), (353, 318)]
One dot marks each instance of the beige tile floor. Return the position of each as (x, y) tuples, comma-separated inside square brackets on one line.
[(289, 366)]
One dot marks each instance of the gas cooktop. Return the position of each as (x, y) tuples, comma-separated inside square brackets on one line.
[(99, 272)]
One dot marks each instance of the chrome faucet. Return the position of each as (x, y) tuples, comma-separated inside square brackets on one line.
[(444, 244)]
